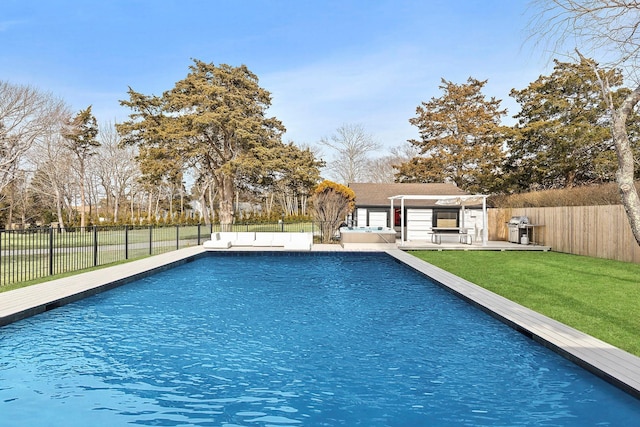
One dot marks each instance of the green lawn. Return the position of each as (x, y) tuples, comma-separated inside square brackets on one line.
[(599, 297)]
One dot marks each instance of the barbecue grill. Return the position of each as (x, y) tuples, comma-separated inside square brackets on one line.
[(517, 229)]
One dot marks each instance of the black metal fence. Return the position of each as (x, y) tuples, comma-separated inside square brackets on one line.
[(37, 253)]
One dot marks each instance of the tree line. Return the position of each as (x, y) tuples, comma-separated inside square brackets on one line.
[(562, 137), (212, 131)]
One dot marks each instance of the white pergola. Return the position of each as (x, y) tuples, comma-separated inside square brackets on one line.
[(453, 200)]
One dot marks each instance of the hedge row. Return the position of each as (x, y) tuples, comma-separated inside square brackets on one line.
[(588, 195)]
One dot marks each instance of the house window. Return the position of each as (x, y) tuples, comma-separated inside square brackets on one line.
[(445, 218)]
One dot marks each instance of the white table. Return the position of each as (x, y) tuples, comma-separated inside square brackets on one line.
[(462, 232)]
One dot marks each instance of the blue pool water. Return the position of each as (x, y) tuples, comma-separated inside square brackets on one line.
[(275, 340)]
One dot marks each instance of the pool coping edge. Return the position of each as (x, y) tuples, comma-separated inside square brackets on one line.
[(604, 360), (21, 303)]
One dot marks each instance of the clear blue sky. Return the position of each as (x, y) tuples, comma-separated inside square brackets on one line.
[(326, 63)]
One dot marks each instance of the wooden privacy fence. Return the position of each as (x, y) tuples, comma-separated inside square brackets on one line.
[(597, 231)]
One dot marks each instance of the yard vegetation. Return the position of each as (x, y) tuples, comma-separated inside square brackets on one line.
[(596, 296)]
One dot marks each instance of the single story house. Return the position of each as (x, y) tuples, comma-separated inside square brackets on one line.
[(414, 210)]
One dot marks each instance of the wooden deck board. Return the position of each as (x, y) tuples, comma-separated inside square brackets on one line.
[(475, 246)]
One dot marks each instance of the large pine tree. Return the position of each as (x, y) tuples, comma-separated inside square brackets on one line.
[(215, 120), (460, 139), (564, 137)]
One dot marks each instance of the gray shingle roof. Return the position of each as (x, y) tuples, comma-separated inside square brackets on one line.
[(370, 194)]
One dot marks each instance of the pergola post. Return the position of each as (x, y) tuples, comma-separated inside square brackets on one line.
[(459, 200), (485, 222)]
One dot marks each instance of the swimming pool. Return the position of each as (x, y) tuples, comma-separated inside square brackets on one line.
[(276, 340)]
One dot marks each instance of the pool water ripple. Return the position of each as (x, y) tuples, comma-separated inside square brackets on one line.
[(301, 340)]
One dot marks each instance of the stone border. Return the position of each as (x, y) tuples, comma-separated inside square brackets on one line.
[(610, 363), (31, 300)]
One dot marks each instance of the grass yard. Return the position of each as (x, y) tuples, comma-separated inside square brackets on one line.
[(599, 297)]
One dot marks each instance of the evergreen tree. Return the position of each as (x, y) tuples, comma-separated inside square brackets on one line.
[(460, 139), (564, 137), (213, 120), (80, 137)]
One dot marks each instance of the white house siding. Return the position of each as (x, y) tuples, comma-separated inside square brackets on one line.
[(419, 223), (361, 217), (378, 219)]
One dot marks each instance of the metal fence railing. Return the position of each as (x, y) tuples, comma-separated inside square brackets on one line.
[(37, 253)]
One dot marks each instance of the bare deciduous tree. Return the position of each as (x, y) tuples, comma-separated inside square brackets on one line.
[(608, 31), (116, 169), (26, 115), (385, 168), (80, 139), (17, 199), (52, 164), (353, 147)]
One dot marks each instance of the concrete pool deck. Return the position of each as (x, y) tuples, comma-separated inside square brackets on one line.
[(606, 361)]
